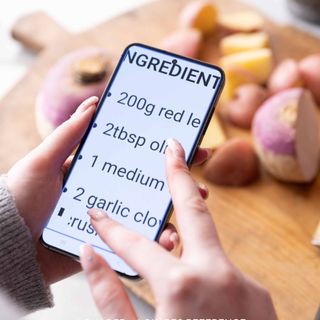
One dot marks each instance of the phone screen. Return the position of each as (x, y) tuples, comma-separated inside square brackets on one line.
[(119, 167)]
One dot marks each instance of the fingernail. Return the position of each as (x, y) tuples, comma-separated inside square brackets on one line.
[(174, 238), (175, 147), (86, 254), (97, 214), (86, 104), (204, 189), (209, 153)]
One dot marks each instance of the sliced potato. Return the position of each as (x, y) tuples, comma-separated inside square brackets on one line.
[(201, 15), (240, 42), (215, 135), (246, 67), (241, 21)]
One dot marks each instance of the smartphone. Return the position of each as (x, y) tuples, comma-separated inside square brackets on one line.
[(119, 167)]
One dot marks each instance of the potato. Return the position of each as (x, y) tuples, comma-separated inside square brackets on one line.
[(199, 14), (246, 67), (310, 72), (285, 75), (233, 164), (286, 135), (240, 42), (241, 21), (185, 42), (235, 77), (256, 62), (247, 99)]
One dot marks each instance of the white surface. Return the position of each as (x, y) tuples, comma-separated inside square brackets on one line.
[(72, 297), (73, 301), (277, 10), (14, 60)]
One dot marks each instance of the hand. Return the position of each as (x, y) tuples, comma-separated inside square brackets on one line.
[(202, 283), (36, 181)]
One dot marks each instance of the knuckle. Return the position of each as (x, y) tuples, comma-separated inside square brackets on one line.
[(179, 166), (125, 241), (106, 293), (197, 204), (261, 291), (96, 275), (132, 243), (267, 300), (183, 283), (230, 282)]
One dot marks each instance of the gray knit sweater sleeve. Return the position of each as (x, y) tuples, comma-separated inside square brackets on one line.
[(20, 275)]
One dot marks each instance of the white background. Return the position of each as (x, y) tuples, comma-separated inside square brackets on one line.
[(72, 297)]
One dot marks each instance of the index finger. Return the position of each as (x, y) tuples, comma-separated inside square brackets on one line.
[(197, 228), (145, 256)]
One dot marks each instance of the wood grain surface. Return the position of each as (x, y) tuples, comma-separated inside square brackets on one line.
[(265, 228), (37, 31)]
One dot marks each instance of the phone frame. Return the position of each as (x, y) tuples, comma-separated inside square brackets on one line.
[(198, 140)]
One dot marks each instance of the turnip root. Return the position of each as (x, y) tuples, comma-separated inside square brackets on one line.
[(285, 75), (75, 77), (201, 15), (246, 101), (235, 163), (310, 71), (185, 42), (286, 135)]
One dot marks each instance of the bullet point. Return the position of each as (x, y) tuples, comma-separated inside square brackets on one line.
[(60, 213)]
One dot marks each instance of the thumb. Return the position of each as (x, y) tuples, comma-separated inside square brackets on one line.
[(62, 141), (106, 288)]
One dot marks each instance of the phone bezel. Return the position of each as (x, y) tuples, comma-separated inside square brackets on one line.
[(198, 139)]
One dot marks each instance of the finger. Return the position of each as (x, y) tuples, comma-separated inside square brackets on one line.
[(66, 165), (107, 290), (63, 140), (202, 155), (143, 255), (197, 229), (169, 238), (203, 189)]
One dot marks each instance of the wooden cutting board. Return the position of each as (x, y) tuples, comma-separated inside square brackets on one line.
[(266, 227)]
